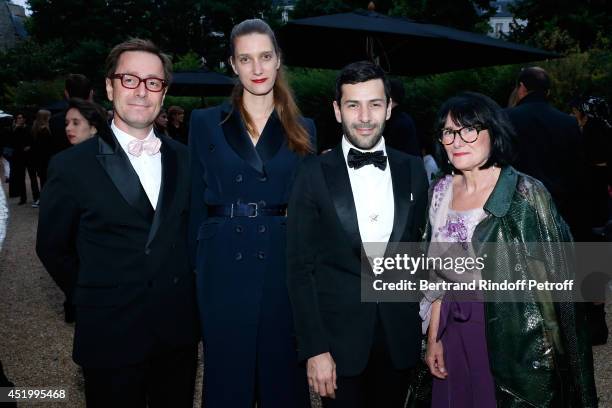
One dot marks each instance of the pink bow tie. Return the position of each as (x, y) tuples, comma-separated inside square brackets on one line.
[(149, 145)]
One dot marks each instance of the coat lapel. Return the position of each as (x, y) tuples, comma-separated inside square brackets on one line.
[(403, 200), (339, 187), (271, 138), (237, 137), (117, 165), (167, 188)]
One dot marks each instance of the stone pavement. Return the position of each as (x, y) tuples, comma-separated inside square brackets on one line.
[(36, 344)]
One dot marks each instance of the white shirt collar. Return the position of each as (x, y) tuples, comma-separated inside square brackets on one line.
[(125, 138), (346, 146)]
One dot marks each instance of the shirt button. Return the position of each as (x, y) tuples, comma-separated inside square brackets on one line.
[(261, 255), (238, 256), (238, 229), (239, 178), (262, 228), (536, 364)]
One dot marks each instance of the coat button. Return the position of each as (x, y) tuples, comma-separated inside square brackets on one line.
[(239, 228), (238, 256), (261, 228), (536, 365), (261, 255), (148, 251), (239, 178), (211, 147), (263, 178), (175, 280)]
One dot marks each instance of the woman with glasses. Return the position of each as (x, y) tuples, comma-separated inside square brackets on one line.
[(244, 157), (484, 352)]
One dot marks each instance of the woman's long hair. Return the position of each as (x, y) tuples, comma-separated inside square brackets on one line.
[(284, 102), (40, 123)]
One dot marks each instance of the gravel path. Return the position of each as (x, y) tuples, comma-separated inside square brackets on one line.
[(36, 344)]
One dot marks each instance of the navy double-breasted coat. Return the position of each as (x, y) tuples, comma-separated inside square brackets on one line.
[(249, 342)]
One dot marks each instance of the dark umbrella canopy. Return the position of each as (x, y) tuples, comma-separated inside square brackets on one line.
[(399, 45), (200, 83)]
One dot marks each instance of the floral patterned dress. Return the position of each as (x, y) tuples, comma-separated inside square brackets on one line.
[(461, 330)]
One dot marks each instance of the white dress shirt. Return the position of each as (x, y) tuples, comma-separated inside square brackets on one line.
[(373, 195), (148, 168)]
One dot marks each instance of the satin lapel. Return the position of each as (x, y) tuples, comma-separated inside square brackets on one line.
[(118, 167), (169, 163), (271, 138), (237, 137), (339, 187), (400, 177)]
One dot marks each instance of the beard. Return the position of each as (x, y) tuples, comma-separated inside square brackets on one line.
[(364, 143)]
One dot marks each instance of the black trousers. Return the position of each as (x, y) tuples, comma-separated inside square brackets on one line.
[(380, 385), (18, 180), (166, 380)]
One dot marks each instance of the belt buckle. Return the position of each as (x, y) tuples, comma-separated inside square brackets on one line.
[(256, 210)]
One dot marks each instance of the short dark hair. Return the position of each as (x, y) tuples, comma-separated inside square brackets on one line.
[(474, 109), (92, 112), (534, 79), (137, 44), (359, 72), (78, 86), (397, 90)]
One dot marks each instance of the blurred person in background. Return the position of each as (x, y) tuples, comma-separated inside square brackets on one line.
[(593, 116), (6, 151), (84, 119), (176, 126), (549, 147), (400, 130), (21, 143), (161, 122), (42, 147), (76, 86)]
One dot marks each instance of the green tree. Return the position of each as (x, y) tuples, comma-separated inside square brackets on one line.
[(470, 15), (572, 24), (220, 16), (314, 8)]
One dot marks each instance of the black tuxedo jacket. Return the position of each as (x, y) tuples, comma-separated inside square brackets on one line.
[(125, 264), (324, 267)]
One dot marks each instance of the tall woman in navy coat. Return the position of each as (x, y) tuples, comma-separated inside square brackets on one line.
[(244, 156)]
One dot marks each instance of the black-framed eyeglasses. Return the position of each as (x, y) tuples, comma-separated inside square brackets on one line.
[(469, 134), (130, 81)]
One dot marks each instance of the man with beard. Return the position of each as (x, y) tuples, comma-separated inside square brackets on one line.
[(358, 354)]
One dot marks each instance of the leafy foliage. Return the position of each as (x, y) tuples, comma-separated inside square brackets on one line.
[(470, 15), (563, 25)]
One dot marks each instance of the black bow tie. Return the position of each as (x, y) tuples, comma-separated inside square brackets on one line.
[(357, 159)]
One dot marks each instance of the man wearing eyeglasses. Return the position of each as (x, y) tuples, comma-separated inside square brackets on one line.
[(112, 231)]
